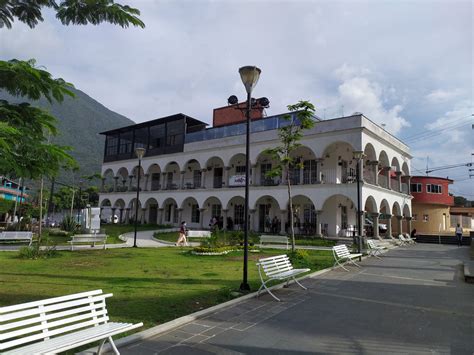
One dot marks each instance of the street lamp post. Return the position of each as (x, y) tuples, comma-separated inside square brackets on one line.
[(358, 156), (249, 76), (140, 152)]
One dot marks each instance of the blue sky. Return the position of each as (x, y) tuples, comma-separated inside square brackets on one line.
[(406, 64)]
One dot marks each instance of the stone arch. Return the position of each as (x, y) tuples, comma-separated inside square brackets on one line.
[(171, 176), (385, 207), (370, 205), (406, 210), (385, 216), (369, 153), (134, 175), (190, 211), (338, 164), (304, 215), (212, 207), (304, 171), (108, 181), (236, 208), (214, 172), (264, 162), (105, 203), (191, 174), (383, 169), (170, 212), (405, 169), (131, 210), (122, 179), (265, 208), (370, 164), (236, 170), (151, 211), (339, 216), (153, 178), (118, 210), (396, 219)]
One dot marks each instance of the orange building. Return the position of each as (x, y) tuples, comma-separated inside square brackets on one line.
[(431, 205)]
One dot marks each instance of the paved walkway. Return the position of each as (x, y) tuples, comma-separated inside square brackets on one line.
[(412, 302)]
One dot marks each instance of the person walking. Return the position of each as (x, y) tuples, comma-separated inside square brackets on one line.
[(182, 234), (459, 234)]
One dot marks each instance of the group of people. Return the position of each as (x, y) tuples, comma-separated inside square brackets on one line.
[(458, 232), (272, 225)]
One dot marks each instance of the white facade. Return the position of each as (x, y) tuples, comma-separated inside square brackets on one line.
[(206, 179)]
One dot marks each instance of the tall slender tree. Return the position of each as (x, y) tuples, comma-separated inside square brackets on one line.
[(298, 120)]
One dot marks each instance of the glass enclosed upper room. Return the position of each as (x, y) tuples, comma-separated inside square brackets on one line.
[(161, 136)]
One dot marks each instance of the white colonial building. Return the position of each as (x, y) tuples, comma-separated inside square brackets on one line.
[(192, 173)]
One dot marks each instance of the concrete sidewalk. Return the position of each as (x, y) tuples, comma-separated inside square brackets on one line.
[(414, 301)]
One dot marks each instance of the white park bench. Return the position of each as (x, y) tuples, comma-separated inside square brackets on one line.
[(279, 239), (198, 234), (374, 248), (409, 238), (342, 254), (58, 324), (88, 238), (277, 268), (13, 236), (404, 241)]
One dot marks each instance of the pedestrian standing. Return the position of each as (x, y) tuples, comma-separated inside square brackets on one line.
[(459, 234)]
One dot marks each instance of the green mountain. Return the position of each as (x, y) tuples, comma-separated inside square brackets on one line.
[(80, 119)]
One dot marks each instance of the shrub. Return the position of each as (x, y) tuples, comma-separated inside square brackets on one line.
[(57, 232), (34, 252), (299, 257), (69, 224)]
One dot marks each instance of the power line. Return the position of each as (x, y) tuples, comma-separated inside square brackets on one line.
[(440, 127), (433, 133)]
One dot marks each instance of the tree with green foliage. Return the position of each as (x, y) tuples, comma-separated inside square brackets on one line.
[(299, 119), (25, 148), (32, 155)]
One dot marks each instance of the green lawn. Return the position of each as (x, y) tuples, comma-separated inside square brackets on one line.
[(149, 285), (112, 230)]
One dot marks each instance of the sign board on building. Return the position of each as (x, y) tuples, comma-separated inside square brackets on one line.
[(237, 180)]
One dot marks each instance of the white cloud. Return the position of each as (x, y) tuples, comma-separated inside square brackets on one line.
[(441, 96), (360, 94)]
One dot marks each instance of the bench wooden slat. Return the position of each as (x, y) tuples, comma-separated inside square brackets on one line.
[(79, 338), (51, 316), (57, 324), (53, 307), (32, 304)]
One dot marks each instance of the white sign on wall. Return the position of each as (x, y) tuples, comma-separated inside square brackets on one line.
[(237, 180)]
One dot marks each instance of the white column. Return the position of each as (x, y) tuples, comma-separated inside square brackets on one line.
[(389, 179), (115, 183), (160, 215), (182, 180), (251, 219), (400, 224), (254, 175), (224, 216), (399, 180), (389, 226), (226, 176), (130, 181), (203, 178), (145, 188), (142, 220), (318, 223), (375, 217), (283, 217), (201, 217)]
